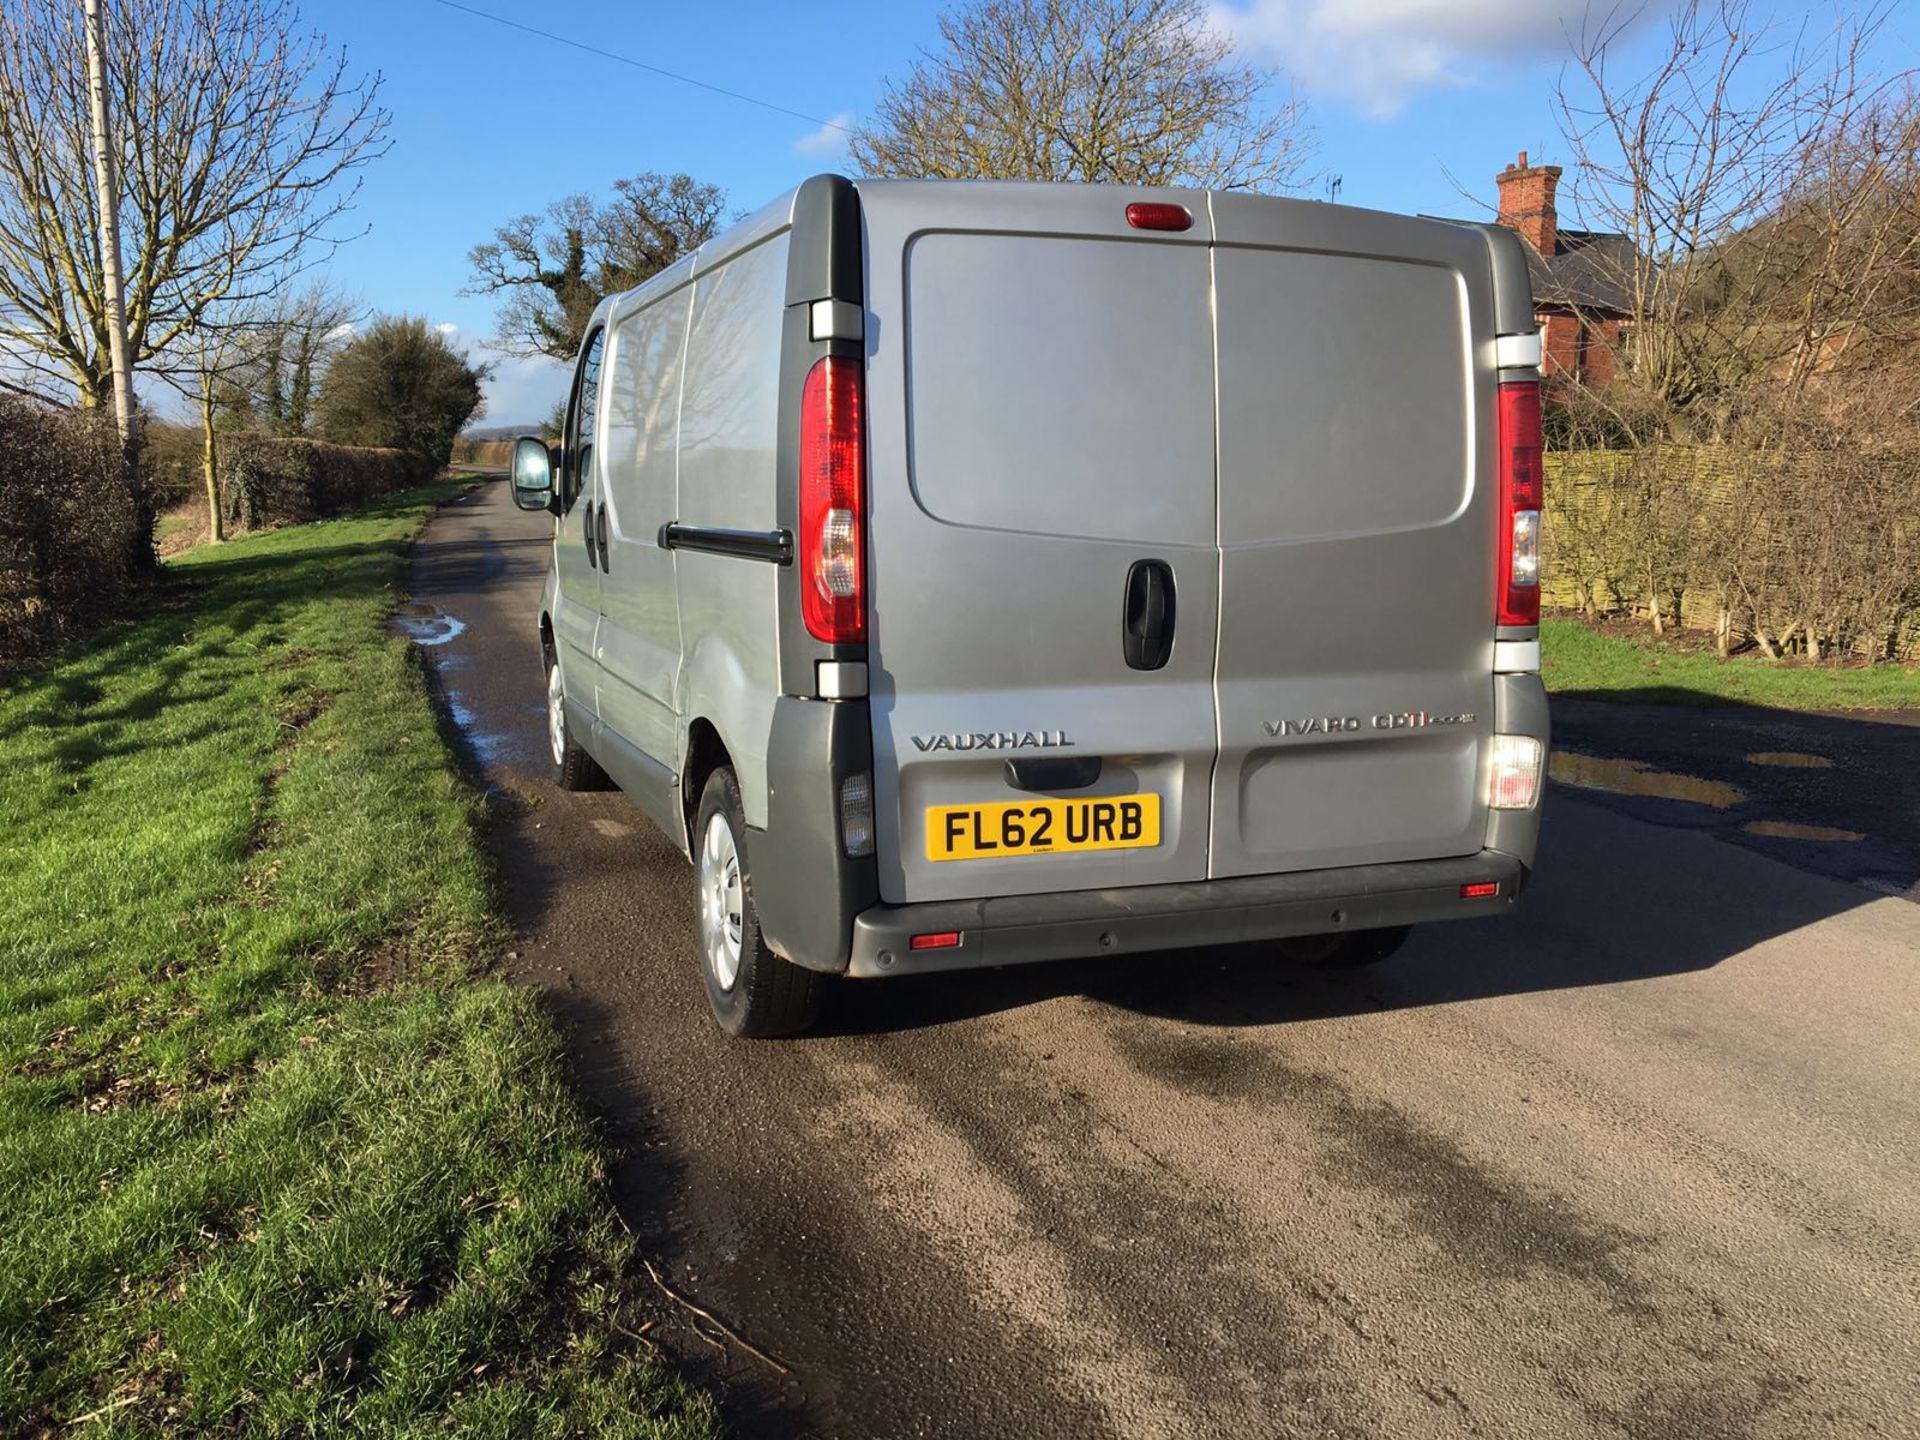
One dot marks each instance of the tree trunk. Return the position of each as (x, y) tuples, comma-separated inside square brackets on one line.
[(1723, 633), (210, 462)]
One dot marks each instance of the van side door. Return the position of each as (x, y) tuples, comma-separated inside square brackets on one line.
[(640, 613), (576, 538)]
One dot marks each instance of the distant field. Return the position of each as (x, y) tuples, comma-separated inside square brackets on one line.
[(1680, 670)]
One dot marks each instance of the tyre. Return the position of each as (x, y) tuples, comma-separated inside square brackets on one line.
[(752, 990), (573, 767), (1346, 950)]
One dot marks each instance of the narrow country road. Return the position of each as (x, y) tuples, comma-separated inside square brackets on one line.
[(1642, 1161)]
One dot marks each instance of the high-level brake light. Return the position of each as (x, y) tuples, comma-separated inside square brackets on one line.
[(833, 502), (1517, 599), (1153, 215)]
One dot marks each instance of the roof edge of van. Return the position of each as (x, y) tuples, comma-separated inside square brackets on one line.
[(824, 254)]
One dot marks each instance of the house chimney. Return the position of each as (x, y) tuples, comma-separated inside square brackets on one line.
[(1526, 202)]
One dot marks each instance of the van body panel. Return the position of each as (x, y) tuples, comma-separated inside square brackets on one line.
[(640, 643), (1356, 534), (728, 443), (1012, 486)]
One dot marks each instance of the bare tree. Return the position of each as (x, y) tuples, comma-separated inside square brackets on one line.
[(1133, 92), (554, 268), (255, 364), (1703, 159), (291, 339), (1766, 414), (236, 137)]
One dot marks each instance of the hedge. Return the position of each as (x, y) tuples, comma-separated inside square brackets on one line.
[(67, 525), (266, 480)]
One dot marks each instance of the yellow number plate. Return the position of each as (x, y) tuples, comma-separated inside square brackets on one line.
[(1042, 827)]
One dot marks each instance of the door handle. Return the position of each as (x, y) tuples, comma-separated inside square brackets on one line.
[(604, 566), (586, 530), (1147, 635), (1075, 773)]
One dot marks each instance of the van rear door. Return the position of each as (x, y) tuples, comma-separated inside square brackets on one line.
[(1040, 399), (1356, 533)]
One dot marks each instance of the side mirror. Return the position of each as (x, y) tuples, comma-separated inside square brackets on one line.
[(532, 474)]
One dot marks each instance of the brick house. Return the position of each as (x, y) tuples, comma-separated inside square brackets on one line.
[(1579, 276)]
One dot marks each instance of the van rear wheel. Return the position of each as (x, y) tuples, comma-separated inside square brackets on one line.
[(753, 991), (1347, 949)]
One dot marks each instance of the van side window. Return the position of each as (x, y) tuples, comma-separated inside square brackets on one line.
[(580, 417)]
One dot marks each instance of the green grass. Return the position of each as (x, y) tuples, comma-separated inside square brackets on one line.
[(1580, 661), (274, 1160)]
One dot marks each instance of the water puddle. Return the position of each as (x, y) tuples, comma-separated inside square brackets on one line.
[(1793, 830), (1635, 777), (427, 625), (486, 747), (1790, 760)]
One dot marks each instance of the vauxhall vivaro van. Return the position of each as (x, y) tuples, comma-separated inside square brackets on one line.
[(969, 573)]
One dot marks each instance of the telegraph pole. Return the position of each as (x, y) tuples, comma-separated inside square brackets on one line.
[(105, 180)]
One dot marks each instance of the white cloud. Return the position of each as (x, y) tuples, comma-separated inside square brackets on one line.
[(829, 142), (523, 390), (447, 328), (1380, 54)]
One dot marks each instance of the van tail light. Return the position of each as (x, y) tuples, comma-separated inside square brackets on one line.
[(1520, 444), (833, 502)]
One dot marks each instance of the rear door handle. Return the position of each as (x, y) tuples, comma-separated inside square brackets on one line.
[(604, 554), (1147, 632), (586, 530)]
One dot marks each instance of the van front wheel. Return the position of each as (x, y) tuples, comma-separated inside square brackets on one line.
[(573, 767), (752, 990)]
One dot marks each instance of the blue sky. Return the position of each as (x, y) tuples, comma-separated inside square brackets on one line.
[(1408, 99)]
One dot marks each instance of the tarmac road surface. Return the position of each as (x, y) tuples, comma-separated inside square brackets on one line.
[(1642, 1160)]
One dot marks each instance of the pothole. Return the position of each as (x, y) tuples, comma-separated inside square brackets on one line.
[(1790, 760), (1635, 777), (1794, 830)]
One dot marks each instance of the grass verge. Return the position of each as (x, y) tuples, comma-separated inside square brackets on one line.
[(1578, 660), (273, 1160)]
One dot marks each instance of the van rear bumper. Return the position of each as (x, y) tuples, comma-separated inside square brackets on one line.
[(1013, 929)]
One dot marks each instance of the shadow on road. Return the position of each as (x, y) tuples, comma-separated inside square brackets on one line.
[(1607, 906)]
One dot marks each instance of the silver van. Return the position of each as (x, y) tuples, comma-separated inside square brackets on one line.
[(969, 573)]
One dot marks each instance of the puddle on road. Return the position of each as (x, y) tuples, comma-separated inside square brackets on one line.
[(1790, 760), (1794, 830), (485, 745), (1635, 777), (427, 625)]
